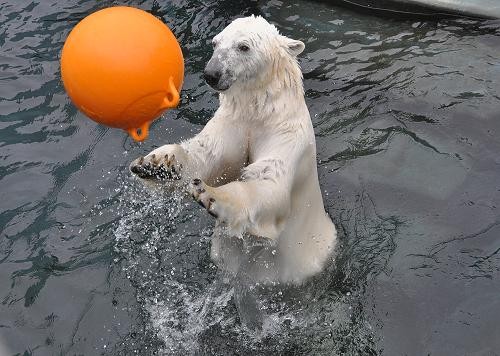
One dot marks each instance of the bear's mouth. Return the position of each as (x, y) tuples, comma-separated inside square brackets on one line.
[(221, 85)]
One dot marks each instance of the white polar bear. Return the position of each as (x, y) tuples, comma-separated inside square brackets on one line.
[(253, 166)]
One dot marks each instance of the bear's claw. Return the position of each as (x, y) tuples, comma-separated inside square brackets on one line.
[(199, 193), (153, 167)]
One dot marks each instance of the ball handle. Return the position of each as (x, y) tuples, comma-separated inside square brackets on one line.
[(143, 134), (171, 100)]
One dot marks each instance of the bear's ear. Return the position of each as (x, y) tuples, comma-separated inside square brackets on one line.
[(293, 47)]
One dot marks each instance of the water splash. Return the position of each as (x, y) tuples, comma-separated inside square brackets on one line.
[(163, 242)]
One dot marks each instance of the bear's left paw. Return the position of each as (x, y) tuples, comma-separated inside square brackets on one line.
[(222, 205), (203, 197)]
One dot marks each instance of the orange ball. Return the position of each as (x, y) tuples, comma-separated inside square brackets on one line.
[(122, 67)]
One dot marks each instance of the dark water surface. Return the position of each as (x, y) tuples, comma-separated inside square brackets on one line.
[(406, 114)]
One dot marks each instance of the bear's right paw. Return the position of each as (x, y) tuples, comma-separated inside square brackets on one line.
[(157, 167)]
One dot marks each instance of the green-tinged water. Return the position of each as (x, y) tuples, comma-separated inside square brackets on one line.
[(407, 122)]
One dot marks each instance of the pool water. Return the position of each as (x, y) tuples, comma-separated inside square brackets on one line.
[(406, 115)]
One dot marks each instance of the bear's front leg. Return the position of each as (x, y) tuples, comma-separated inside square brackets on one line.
[(257, 207), (162, 164)]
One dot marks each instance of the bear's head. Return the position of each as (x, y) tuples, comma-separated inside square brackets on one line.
[(247, 53)]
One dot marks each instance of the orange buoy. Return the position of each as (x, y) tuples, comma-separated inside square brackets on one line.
[(122, 67)]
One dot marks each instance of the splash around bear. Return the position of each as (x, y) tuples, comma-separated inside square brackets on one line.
[(253, 166)]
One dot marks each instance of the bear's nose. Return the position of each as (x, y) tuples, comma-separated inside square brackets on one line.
[(212, 77)]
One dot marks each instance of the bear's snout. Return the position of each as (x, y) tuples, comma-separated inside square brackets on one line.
[(212, 77)]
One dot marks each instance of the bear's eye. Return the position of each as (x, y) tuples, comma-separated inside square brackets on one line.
[(214, 43), (243, 47)]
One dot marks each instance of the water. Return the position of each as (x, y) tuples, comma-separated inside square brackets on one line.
[(406, 118)]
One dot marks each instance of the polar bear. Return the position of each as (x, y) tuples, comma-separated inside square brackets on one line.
[(253, 166)]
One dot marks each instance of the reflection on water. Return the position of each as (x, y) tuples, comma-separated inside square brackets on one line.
[(405, 113)]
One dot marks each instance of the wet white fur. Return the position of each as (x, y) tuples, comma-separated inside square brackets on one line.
[(257, 156)]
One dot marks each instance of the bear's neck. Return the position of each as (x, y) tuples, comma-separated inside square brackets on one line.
[(279, 90)]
